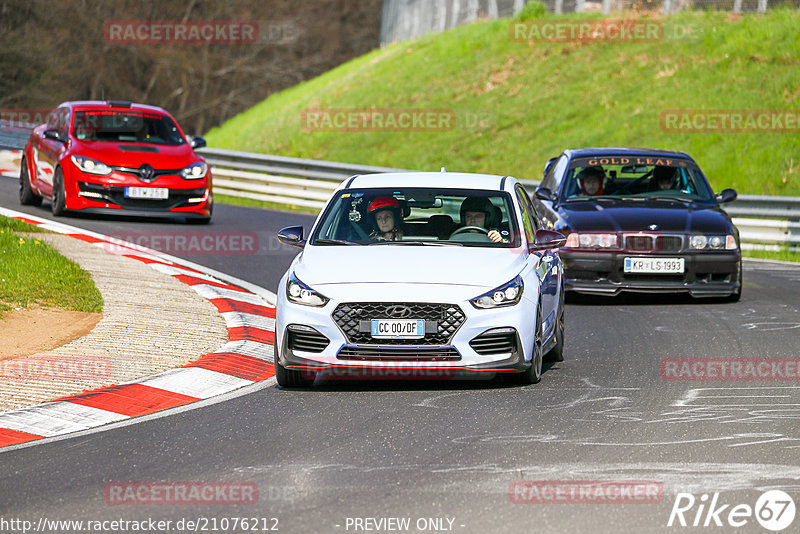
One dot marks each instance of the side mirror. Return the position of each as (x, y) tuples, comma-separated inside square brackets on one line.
[(54, 135), (198, 142), (543, 193), (292, 235), (548, 165), (726, 195), (547, 239)]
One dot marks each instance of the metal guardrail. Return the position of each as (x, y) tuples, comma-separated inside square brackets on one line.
[(14, 135), (304, 182), (764, 221)]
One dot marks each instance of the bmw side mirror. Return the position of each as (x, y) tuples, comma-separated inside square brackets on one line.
[(726, 195), (198, 142), (543, 193), (547, 239), (292, 235), (54, 135)]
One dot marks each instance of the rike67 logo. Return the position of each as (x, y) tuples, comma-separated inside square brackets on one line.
[(774, 510)]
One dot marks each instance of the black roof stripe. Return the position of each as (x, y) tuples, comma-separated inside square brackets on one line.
[(503, 182), (350, 181)]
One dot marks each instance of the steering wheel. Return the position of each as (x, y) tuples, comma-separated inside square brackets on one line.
[(635, 182), (466, 229)]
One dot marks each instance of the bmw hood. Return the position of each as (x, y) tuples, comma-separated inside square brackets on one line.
[(615, 215), (405, 264)]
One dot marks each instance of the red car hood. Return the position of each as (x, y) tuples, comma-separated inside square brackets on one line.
[(134, 155)]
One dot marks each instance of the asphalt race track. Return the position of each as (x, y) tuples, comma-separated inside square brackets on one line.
[(325, 457)]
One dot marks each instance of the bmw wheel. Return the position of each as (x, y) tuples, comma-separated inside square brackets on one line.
[(26, 195), (736, 296)]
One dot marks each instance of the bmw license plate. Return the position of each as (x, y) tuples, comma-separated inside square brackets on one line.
[(654, 265), (398, 328), (156, 193)]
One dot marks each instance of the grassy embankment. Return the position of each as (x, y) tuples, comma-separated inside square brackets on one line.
[(32, 273), (518, 103)]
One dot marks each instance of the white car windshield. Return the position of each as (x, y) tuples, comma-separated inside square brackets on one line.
[(418, 216)]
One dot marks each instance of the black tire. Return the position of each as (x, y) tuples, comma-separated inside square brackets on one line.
[(289, 378), (58, 203), (556, 354), (735, 297), (533, 374), (26, 195)]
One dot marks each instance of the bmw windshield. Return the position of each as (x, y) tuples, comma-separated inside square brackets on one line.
[(418, 216), (635, 177)]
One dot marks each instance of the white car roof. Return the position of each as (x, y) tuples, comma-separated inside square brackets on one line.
[(444, 180)]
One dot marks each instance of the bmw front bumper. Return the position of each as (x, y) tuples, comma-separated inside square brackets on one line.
[(706, 274)]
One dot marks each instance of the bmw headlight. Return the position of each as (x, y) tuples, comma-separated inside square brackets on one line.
[(195, 171), (576, 240), (713, 242), (90, 165), (508, 294), (300, 293)]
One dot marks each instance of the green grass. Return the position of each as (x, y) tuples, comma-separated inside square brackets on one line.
[(33, 274), (784, 255), (519, 103), (239, 201)]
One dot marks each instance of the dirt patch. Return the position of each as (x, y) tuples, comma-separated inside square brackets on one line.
[(29, 331)]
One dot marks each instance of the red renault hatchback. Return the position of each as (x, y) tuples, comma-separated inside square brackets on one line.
[(116, 158)]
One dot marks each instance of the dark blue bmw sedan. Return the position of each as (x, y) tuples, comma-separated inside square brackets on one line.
[(640, 220)]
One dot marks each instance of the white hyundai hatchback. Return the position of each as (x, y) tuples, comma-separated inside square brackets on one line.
[(419, 276)]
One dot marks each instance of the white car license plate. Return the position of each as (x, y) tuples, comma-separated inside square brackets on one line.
[(398, 328), (654, 265), (157, 193)]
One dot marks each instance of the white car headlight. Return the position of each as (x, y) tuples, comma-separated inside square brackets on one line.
[(698, 241), (300, 293), (577, 240), (195, 171), (713, 242), (508, 294), (92, 166)]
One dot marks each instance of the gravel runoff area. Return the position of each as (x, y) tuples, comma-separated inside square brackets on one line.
[(151, 322)]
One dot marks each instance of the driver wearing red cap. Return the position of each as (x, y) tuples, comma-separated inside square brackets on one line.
[(386, 216)]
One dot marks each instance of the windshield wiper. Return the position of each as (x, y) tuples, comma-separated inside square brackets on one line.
[(677, 199), (333, 242), (428, 243), (596, 197)]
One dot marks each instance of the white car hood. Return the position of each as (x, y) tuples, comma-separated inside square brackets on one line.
[(406, 264)]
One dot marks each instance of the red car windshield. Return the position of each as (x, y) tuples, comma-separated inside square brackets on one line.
[(126, 127)]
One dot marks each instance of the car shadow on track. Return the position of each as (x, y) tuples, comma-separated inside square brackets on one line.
[(638, 299), (496, 382)]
